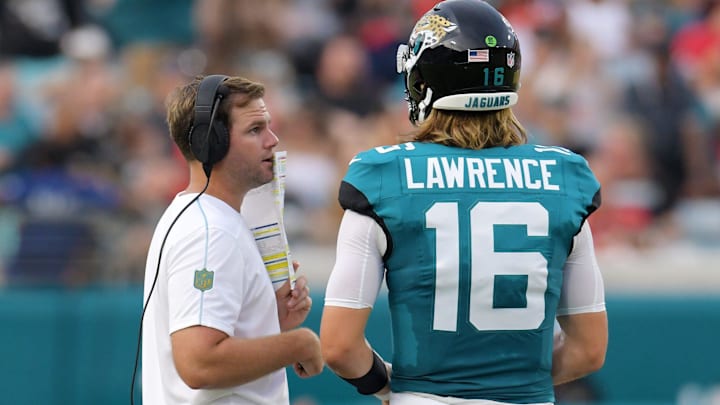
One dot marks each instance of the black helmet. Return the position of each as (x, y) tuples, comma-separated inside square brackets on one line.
[(462, 55)]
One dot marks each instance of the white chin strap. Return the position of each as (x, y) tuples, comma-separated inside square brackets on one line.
[(423, 106), (475, 102)]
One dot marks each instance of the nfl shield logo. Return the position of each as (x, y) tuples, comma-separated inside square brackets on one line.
[(204, 279), (510, 59)]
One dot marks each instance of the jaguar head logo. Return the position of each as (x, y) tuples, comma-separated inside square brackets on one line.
[(430, 30)]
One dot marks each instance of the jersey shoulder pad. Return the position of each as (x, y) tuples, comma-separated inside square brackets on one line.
[(575, 160), (371, 161), (579, 175), (364, 163), (382, 154), (367, 172), (359, 187)]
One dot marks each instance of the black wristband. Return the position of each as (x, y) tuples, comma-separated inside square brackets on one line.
[(374, 380)]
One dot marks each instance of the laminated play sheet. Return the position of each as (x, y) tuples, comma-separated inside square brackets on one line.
[(263, 209)]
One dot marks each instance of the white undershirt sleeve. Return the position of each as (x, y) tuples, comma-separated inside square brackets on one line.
[(583, 289), (358, 273)]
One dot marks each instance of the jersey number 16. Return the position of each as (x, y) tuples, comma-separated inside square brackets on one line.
[(487, 265)]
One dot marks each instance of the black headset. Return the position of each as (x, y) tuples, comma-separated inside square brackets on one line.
[(209, 138), (209, 141)]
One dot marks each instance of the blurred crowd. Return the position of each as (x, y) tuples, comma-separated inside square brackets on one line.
[(87, 166)]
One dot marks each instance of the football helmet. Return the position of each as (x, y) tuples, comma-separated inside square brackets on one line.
[(462, 55)]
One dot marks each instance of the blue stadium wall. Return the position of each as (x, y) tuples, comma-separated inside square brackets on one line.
[(78, 347)]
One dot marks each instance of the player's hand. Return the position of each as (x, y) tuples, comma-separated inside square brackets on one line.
[(293, 304)]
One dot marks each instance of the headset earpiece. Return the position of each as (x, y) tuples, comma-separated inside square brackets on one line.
[(209, 138)]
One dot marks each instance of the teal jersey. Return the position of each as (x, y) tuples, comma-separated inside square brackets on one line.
[(476, 244)]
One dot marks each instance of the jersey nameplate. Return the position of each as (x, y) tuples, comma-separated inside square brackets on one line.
[(481, 173)]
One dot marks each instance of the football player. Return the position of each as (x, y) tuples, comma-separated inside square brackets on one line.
[(482, 239)]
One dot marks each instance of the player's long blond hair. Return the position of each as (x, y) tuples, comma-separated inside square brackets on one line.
[(472, 130)]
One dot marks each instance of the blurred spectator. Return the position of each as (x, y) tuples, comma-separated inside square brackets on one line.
[(66, 176), (56, 252), (534, 20), (19, 128), (698, 41), (603, 25), (343, 78), (696, 50), (36, 27), (229, 30), (380, 27), (81, 98), (681, 159), (630, 194), (566, 92), (312, 177)]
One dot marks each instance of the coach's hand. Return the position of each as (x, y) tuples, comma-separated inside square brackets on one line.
[(293, 304), (313, 362)]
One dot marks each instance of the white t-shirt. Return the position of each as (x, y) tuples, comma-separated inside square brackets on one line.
[(233, 295)]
